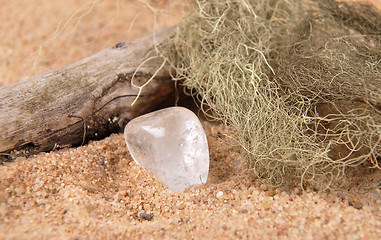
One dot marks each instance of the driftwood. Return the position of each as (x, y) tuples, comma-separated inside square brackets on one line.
[(86, 100)]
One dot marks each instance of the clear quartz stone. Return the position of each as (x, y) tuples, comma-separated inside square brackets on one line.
[(172, 144)]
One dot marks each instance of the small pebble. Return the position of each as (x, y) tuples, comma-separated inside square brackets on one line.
[(123, 193), (244, 211), (145, 216), (272, 193), (219, 194), (263, 187), (358, 205)]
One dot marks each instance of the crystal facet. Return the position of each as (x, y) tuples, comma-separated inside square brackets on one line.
[(171, 143)]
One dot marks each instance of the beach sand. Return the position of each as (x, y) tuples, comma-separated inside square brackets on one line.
[(96, 191)]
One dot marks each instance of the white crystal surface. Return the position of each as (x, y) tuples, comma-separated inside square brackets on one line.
[(172, 144)]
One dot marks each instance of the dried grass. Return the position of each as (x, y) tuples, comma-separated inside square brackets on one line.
[(300, 81)]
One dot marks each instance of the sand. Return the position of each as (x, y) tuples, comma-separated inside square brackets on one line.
[(96, 191)]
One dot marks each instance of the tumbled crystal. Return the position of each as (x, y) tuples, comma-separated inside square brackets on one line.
[(171, 143)]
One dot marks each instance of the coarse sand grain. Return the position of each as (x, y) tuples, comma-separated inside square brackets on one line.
[(97, 191)]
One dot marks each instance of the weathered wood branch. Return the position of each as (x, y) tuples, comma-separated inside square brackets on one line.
[(86, 100)]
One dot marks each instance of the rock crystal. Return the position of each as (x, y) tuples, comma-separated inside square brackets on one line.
[(172, 144)]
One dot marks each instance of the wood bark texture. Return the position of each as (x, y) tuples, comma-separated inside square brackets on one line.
[(86, 100)]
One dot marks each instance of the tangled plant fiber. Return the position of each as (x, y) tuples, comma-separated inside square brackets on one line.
[(299, 80)]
